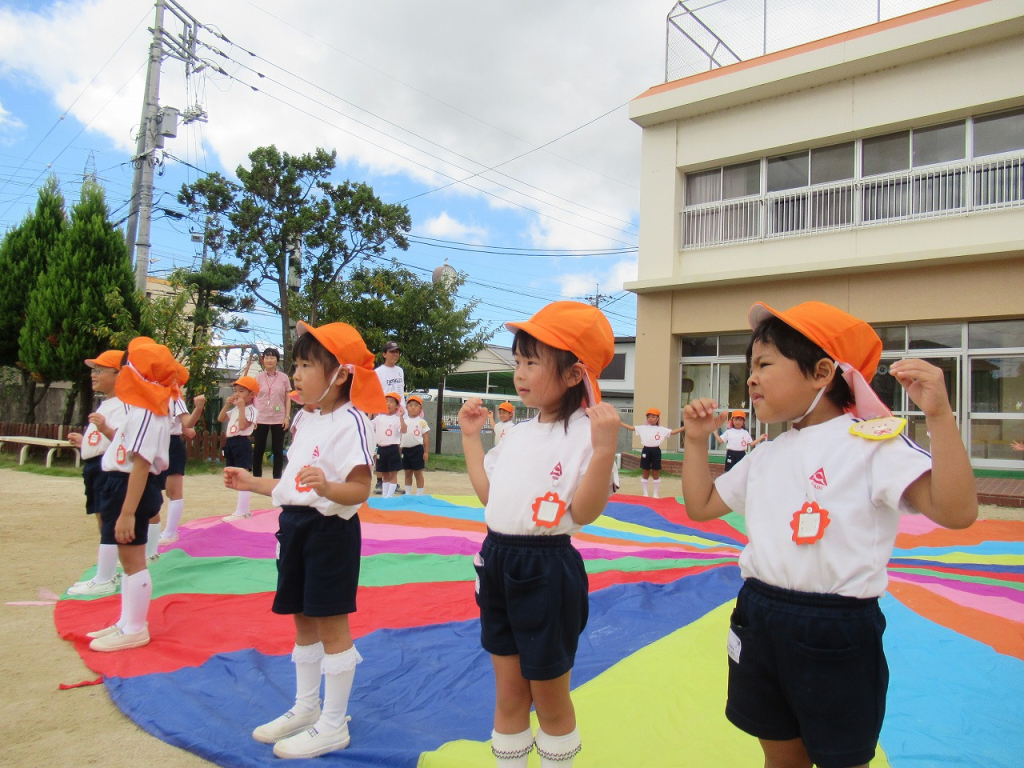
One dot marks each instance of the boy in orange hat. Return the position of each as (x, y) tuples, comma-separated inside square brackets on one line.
[(506, 411), (807, 672), (652, 436), (91, 444), (326, 479), (542, 483), (240, 415), (130, 497), (388, 429), (415, 444), (737, 439)]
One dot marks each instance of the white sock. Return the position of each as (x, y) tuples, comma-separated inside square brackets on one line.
[(152, 539), (389, 489), (106, 562), (643, 484), (408, 490), (419, 491), (242, 507), (308, 660), (136, 593), (339, 672), (656, 484), (174, 509), (512, 750), (558, 751)]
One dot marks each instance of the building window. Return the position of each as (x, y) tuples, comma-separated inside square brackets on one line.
[(995, 134), (940, 144), (788, 171), (886, 154), (616, 370), (999, 334)]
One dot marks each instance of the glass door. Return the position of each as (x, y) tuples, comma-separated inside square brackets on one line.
[(724, 381), (997, 409)]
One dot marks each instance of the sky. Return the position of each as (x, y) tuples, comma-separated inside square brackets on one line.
[(503, 127)]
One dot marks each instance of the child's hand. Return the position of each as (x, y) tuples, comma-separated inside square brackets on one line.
[(1017, 445), (924, 383), (75, 438), (124, 529), (189, 433), (472, 416), (313, 479), (700, 421), (604, 427), (237, 479), (99, 420), (199, 401)]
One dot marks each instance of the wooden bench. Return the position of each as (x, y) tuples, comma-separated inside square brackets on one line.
[(27, 442)]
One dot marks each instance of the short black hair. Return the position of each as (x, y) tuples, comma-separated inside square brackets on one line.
[(794, 345), (575, 396), (308, 348), (271, 351)]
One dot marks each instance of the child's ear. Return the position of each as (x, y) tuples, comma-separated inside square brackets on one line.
[(824, 371), (575, 374), (343, 375)]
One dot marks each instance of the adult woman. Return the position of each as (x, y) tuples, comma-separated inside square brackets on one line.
[(273, 412)]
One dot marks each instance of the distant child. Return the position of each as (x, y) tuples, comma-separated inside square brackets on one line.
[(652, 436), (182, 423), (301, 412), (102, 425), (506, 412), (131, 497), (389, 428), (392, 379), (542, 483), (240, 415), (415, 448), (327, 478), (822, 502), (736, 439)]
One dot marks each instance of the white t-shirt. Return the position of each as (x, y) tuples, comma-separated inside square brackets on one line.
[(387, 428), (175, 410), (392, 380), (337, 442), (142, 433), (94, 442), (501, 429), (298, 418), (232, 429), (737, 439), (532, 461), (861, 484), (415, 429), (652, 435)]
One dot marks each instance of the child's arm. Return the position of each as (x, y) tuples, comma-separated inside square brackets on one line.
[(101, 424), (189, 420), (355, 490), (596, 484), (243, 415), (677, 431), (699, 493), (1017, 445), (490, 420), (241, 480), (124, 529), (721, 440), (228, 403), (946, 495), (471, 420), (426, 446), (401, 418), (630, 427)]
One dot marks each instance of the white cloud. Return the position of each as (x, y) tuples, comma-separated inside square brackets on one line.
[(606, 281), (8, 124), (445, 227)]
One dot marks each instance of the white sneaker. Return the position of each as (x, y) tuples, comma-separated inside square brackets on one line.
[(288, 724), (236, 516), (164, 539), (119, 640), (313, 742), (102, 632), (95, 588), (153, 558)]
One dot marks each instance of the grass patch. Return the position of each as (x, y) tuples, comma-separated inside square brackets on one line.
[(446, 463), (62, 467)]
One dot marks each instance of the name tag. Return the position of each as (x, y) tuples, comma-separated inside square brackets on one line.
[(733, 645)]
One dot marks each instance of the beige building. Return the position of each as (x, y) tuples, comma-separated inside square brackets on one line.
[(882, 171)]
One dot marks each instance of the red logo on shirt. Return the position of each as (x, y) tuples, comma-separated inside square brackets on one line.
[(818, 478), (316, 452), (556, 473)]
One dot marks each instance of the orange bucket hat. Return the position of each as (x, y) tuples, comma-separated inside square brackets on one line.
[(578, 328), (110, 359), (848, 340), (738, 415), (147, 378), (138, 341), (344, 342), (248, 382), (414, 399), (507, 406), (394, 396), (653, 412)]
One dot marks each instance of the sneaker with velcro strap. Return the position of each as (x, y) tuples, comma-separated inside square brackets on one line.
[(288, 724), (313, 742), (93, 588), (119, 640)]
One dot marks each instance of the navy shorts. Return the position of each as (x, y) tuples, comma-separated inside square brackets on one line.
[(412, 458), (732, 458), (238, 452), (650, 458), (94, 477), (317, 563), (389, 458), (812, 667), (111, 499), (532, 593), (177, 456)]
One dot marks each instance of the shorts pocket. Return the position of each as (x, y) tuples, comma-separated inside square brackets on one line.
[(527, 601)]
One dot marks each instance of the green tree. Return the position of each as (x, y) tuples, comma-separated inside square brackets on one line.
[(390, 302), (86, 293), (289, 225), (24, 254)]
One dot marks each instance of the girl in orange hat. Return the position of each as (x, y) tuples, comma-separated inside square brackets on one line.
[(652, 435), (326, 479), (737, 439), (131, 498), (543, 482), (240, 415)]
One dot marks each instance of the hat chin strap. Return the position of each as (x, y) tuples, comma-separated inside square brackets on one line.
[(817, 398), (334, 378)]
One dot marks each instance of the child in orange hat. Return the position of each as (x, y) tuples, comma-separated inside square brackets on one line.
[(91, 444), (240, 415), (326, 479), (542, 483), (652, 435), (130, 497), (737, 439), (388, 429), (415, 445), (807, 672), (506, 411)]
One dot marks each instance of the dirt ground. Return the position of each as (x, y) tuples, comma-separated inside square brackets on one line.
[(48, 542)]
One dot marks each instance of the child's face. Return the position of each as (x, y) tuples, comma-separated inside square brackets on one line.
[(653, 419), (103, 380), (779, 390), (538, 381), (310, 380), (392, 406), (415, 409), (739, 422), (504, 415), (243, 393)]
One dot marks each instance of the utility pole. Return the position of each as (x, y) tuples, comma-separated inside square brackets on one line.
[(598, 297), (155, 125)]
